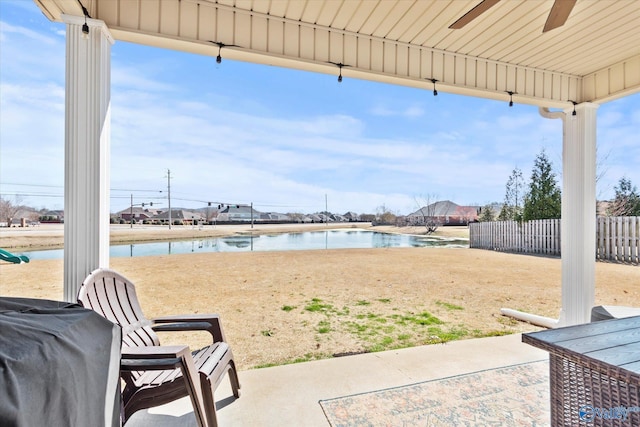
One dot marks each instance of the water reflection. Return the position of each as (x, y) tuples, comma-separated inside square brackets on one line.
[(382, 240), (237, 242), (309, 240)]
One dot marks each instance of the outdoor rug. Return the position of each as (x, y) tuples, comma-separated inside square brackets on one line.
[(516, 395)]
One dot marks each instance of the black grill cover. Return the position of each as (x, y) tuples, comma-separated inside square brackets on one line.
[(59, 365)]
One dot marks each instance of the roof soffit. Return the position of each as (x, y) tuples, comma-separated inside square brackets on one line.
[(592, 58)]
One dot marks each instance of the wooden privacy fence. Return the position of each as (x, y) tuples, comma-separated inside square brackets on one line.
[(533, 237), (617, 238)]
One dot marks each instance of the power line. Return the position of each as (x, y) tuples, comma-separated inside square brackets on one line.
[(31, 185), (151, 197), (128, 190), (146, 197), (31, 195), (61, 196)]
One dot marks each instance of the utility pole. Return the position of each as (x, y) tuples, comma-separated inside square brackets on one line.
[(326, 211), (132, 218), (169, 194)]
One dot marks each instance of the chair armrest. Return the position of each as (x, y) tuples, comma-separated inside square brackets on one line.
[(187, 318), (191, 322), (153, 357)]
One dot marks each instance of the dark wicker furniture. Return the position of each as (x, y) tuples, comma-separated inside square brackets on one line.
[(594, 372)]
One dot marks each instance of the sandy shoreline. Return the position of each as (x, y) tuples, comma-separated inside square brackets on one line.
[(299, 305)]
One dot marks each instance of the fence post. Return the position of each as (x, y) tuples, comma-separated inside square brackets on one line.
[(634, 240)]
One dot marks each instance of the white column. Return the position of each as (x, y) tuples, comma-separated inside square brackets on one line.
[(578, 223), (87, 151), (578, 226)]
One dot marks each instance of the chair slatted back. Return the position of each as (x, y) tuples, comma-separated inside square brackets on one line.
[(114, 297)]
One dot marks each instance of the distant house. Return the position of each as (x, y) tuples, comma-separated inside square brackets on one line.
[(351, 216), (367, 217), (137, 213), (445, 213), (317, 218), (238, 213), (274, 216), (52, 216), (182, 215), (338, 218)]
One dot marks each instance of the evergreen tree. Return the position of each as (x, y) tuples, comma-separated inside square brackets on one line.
[(627, 201), (513, 198), (487, 214), (543, 200)]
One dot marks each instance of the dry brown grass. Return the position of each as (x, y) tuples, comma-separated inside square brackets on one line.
[(281, 306)]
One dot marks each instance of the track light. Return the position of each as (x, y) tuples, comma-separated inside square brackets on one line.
[(510, 98), (574, 107), (435, 91)]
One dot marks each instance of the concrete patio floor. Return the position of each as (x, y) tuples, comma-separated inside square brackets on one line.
[(288, 395)]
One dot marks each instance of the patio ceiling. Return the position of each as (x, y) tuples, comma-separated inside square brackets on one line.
[(594, 56)]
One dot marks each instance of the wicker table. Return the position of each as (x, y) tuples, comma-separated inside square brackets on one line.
[(594, 372)]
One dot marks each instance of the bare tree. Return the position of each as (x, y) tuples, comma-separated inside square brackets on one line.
[(384, 216), (514, 197), (627, 200), (9, 209), (431, 214), (33, 216)]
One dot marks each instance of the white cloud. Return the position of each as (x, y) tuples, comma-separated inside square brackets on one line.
[(411, 111), (132, 80), (25, 34)]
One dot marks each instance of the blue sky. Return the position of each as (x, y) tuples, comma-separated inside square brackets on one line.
[(284, 140)]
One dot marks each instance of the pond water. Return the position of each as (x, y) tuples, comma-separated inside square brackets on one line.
[(308, 240)]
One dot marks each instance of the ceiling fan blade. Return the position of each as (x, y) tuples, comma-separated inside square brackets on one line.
[(559, 14), (480, 8)]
